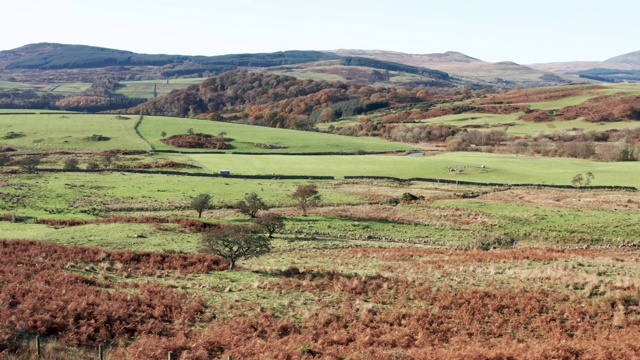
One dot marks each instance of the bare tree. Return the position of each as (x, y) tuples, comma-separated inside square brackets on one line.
[(580, 180), (200, 203), (307, 195), (4, 159), (251, 204), (270, 222), (71, 164), (30, 163), (234, 242)]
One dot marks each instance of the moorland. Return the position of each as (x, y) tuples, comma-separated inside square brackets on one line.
[(458, 217)]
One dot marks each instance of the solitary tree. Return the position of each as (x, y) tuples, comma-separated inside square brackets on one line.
[(233, 242), (270, 222), (30, 163), (307, 195), (71, 164), (92, 165), (580, 180), (200, 203), (4, 159), (251, 204), (163, 134)]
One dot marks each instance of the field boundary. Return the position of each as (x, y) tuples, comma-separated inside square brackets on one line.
[(346, 177), (135, 128), (463, 182), (168, 172)]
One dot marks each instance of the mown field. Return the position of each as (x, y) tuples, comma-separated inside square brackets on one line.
[(112, 257)]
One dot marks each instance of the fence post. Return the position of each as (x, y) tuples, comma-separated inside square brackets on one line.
[(170, 355), (38, 351), (100, 352), (229, 357)]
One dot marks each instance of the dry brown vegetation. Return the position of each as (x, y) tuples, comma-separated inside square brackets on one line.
[(571, 199), (537, 95), (604, 108), (421, 304), (197, 141)]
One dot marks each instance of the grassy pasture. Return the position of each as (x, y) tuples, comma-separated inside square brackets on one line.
[(72, 88), (246, 136), (310, 75), (499, 168), (76, 194), (144, 88), (51, 132)]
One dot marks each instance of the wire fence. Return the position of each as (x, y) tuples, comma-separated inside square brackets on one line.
[(43, 347)]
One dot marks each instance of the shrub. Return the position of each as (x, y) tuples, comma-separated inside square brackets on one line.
[(71, 164), (92, 165), (489, 241)]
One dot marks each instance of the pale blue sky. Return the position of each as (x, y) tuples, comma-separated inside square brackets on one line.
[(492, 30)]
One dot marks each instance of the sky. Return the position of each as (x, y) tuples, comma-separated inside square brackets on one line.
[(522, 31)]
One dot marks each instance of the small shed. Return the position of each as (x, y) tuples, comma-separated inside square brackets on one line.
[(225, 172)]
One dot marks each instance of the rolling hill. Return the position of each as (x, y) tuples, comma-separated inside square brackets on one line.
[(502, 74), (632, 58), (72, 62)]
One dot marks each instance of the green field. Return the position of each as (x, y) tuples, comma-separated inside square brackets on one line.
[(245, 136), (68, 131), (499, 168), (144, 88), (81, 194), (72, 88)]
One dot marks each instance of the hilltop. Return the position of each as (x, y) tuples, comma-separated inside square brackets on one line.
[(474, 70), (55, 62)]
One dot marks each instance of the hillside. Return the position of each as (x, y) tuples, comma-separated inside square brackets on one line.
[(276, 100), (54, 62), (502, 74), (632, 58), (46, 56)]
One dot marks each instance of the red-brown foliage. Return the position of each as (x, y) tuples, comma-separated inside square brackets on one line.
[(604, 108), (537, 95), (353, 316), (537, 116), (115, 152), (189, 224), (500, 109), (197, 141), (39, 295)]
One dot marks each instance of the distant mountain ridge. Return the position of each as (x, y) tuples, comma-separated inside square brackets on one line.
[(632, 58), (52, 62), (51, 56)]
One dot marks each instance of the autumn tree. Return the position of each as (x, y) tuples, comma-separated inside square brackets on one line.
[(270, 222), (234, 242), (306, 195), (200, 203), (251, 204)]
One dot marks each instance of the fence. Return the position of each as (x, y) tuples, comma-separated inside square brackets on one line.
[(43, 347)]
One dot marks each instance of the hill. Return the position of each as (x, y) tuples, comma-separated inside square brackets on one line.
[(632, 58), (502, 74), (43, 59), (276, 100)]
